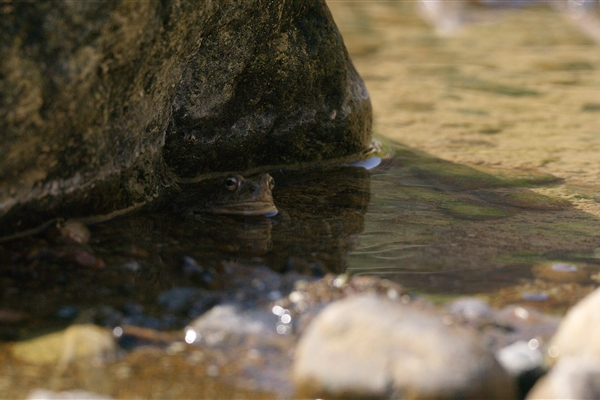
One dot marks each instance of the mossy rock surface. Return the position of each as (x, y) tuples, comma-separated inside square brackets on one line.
[(101, 104)]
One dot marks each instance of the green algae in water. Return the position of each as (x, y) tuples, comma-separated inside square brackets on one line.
[(473, 212), (473, 111), (493, 87), (526, 200), (508, 178), (455, 176), (574, 65), (591, 107), (447, 175), (490, 131), (416, 106)]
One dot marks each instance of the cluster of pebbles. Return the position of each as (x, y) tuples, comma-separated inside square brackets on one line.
[(361, 336)]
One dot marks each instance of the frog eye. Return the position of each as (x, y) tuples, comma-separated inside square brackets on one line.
[(271, 182), (267, 181), (233, 182)]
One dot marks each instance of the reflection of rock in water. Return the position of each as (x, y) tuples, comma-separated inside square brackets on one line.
[(241, 235), (322, 212)]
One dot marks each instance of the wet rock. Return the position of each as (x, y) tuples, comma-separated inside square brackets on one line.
[(188, 300), (179, 299), (250, 283), (74, 232), (368, 346), (74, 343), (309, 297), (228, 324), (196, 272), (579, 332), (132, 266), (571, 378), (524, 360), (535, 296), (520, 357), (471, 310), (43, 394), (100, 100), (81, 257), (518, 323)]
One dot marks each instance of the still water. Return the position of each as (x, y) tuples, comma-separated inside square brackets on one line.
[(437, 228)]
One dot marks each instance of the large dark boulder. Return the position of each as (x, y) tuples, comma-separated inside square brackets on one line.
[(103, 103)]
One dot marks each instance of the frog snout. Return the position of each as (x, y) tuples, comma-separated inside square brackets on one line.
[(257, 191)]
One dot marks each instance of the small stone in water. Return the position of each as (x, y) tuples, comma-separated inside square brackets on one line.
[(471, 309), (83, 258), (193, 270), (132, 266), (227, 321), (203, 304), (540, 296), (67, 312), (74, 232), (519, 357), (564, 267), (179, 299), (76, 342)]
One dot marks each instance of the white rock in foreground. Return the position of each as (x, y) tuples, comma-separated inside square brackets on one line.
[(571, 378), (371, 346), (579, 333)]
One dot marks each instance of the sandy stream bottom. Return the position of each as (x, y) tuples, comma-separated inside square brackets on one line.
[(520, 91)]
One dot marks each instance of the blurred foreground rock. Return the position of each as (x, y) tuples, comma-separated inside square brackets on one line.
[(368, 346), (579, 332), (77, 342), (571, 378), (99, 100), (575, 353)]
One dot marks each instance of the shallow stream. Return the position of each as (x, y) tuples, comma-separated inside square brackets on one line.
[(488, 186)]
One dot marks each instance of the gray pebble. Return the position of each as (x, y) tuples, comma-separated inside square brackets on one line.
[(471, 309), (225, 322)]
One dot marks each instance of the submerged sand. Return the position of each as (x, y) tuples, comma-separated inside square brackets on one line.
[(520, 90)]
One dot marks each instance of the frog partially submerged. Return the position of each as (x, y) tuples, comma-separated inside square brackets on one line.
[(234, 195)]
